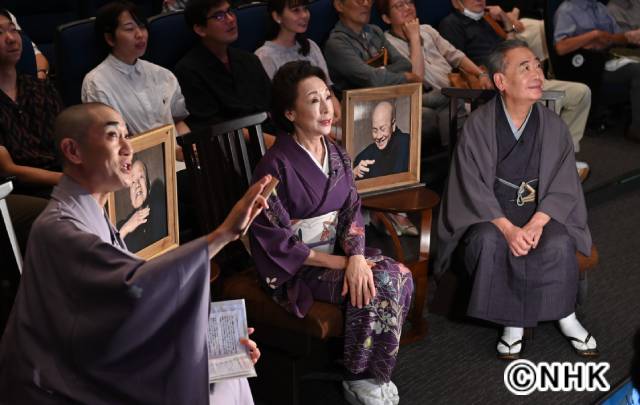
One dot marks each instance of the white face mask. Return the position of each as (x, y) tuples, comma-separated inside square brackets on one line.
[(472, 14)]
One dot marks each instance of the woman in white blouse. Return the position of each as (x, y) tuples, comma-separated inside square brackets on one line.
[(146, 95)]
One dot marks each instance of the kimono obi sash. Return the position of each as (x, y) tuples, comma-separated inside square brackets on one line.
[(525, 192), (318, 233)]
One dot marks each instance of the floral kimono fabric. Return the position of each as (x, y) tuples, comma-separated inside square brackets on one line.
[(320, 211)]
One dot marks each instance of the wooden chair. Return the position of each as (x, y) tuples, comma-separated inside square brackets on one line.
[(220, 163), (5, 189), (448, 289)]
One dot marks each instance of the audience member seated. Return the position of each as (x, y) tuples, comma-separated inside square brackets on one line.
[(309, 243), (626, 13), (438, 56), (470, 33), (42, 64), (146, 95), (28, 108), (287, 42), (517, 23), (586, 24), (219, 82), (515, 203), (359, 56), (94, 323)]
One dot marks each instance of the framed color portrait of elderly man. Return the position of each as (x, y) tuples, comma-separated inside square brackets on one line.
[(381, 128), (146, 213)]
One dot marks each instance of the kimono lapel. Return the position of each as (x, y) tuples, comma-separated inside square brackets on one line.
[(315, 181)]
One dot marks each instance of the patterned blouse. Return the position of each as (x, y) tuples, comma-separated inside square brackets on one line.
[(26, 125)]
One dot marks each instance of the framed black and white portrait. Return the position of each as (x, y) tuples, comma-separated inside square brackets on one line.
[(381, 128), (146, 213)]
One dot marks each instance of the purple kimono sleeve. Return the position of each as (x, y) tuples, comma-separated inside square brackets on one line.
[(350, 230), (277, 251)]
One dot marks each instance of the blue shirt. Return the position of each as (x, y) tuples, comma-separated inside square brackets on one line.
[(575, 17)]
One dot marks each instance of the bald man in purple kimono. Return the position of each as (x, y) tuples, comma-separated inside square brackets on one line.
[(93, 323), (515, 203)]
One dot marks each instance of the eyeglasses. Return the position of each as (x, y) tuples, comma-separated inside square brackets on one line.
[(403, 4), (221, 15)]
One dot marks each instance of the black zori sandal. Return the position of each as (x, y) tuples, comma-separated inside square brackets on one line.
[(510, 355), (587, 353)]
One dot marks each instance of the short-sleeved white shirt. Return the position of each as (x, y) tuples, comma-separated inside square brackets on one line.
[(146, 95)]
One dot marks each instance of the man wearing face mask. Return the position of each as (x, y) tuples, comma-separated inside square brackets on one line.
[(468, 30)]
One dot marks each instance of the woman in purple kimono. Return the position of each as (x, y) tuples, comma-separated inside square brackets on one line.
[(309, 244)]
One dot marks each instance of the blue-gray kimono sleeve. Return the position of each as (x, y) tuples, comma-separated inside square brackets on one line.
[(94, 324)]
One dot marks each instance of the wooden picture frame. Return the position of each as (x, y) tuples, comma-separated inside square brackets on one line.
[(146, 213), (401, 107)]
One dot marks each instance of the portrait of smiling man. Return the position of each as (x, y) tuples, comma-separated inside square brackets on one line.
[(144, 203), (389, 151)]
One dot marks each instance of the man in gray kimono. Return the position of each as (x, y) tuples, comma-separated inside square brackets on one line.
[(92, 323), (515, 203)]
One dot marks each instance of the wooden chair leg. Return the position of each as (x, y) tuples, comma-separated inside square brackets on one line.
[(418, 323), (528, 333)]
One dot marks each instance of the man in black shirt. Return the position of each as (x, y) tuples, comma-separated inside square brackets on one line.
[(219, 82), (469, 31)]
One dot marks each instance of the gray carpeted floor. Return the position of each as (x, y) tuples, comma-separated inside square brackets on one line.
[(456, 363)]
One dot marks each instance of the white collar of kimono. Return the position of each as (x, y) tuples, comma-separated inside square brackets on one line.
[(124, 67), (325, 162), (517, 132)]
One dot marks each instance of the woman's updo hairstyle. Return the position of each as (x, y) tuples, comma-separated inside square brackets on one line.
[(284, 89)]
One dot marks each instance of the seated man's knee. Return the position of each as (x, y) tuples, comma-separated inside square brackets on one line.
[(484, 233), (577, 94), (557, 238)]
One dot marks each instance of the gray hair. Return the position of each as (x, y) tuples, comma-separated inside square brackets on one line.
[(496, 58)]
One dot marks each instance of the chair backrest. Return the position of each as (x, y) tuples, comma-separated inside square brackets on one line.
[(220, 164), (27, 62), (169, 39), (376, 19), (323, 19), (252, 20), (478, 97), (433, 11), (40, 18), (78, 53), (5, 189), (148, 7)]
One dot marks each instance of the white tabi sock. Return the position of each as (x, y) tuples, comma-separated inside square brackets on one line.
[(571, 327), (511, 334)]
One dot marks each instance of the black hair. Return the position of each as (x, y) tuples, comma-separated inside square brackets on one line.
[(5, 12), (107, 20), (195, 13), (284, 89), (273, 28)]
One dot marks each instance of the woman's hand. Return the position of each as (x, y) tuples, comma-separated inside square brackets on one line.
[(138, 218), (358, 282), (252, 346), (411, 30)]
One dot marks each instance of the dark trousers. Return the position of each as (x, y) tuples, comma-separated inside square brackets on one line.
[(521, 291)]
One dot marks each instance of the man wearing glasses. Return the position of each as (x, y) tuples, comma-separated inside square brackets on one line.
[(219, 82)]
